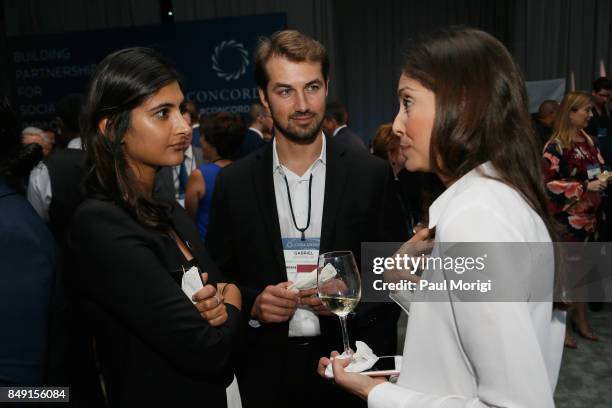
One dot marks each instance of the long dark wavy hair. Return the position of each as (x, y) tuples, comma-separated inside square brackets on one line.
[(481, 111), (121, 82)]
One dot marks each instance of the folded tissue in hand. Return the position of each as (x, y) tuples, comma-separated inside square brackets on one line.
[(191, 282), (363, 359), (309, 280)]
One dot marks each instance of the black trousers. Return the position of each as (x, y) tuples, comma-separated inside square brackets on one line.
[(286, 376)]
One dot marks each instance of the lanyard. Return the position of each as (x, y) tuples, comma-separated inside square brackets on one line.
[(302, 230)]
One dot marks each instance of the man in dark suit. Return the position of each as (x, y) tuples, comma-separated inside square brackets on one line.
[(600, 125), (544, 120), (259, 132), (27, 263), (335, 125), (308, 190)]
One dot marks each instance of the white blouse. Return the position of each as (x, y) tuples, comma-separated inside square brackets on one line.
[(480, 354)]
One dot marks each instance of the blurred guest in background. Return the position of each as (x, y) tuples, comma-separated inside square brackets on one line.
[(335, 125), (416, 189), (259, 132), (191, 114), (67, 109), (572, 163), (544, 119), (27, 263), (33, 134), (600, 125), (222, 135)]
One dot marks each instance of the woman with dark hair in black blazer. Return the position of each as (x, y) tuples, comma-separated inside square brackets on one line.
[(156, 346)]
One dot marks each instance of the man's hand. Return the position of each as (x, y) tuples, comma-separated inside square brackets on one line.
[(275, 304), (309, 297)]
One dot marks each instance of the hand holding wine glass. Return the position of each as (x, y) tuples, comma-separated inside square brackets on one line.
[(339, 287)]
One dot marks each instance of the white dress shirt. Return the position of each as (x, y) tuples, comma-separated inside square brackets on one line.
[(190, 165), (76, 143), (481, 354), (304, 322), (39, 190)]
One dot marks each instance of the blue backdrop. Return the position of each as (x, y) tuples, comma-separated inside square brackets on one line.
[(215, 58)]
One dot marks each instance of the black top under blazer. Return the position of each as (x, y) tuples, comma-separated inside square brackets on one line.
[(154, 347)]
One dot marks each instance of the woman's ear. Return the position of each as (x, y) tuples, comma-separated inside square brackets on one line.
[(102, 126)]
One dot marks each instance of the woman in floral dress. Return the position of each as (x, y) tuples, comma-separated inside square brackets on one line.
[(572, 162)]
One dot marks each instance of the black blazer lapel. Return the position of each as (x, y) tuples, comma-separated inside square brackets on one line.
[(336, 174), (187, 231), (263, 182)]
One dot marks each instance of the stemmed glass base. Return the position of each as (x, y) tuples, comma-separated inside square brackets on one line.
[(345, 338)]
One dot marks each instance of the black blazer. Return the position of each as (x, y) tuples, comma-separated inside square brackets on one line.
[(347, 136), (252, 141), (154, 347), (244, 237)]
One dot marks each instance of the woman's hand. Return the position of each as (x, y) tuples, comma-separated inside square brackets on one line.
[(210, 304), (597, 186), (355, 383), (420, 243), (231, 294)]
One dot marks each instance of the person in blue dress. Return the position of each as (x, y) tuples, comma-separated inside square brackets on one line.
[(221, 136)]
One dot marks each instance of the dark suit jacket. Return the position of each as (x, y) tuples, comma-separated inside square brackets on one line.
[(155, 348), (27, 265), (66, 169), (252, 141), (360, 205), (347, 136)]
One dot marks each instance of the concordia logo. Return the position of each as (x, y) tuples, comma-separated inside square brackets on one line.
[(230, 59)]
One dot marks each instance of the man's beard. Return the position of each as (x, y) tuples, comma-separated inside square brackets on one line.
[(296, 134)]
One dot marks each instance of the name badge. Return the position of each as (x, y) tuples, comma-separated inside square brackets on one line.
[(300, 256), (593, 171), (602, 133)]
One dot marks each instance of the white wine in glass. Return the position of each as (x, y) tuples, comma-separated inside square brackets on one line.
[(339, 287)]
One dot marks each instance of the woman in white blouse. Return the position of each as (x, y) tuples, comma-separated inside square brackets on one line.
[(463, 116)]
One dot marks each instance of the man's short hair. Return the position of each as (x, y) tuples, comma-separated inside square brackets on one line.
[(192, 109), (336, 111), (224, 131), (256, 109), (292, 45), (602, 83), (547, 107)]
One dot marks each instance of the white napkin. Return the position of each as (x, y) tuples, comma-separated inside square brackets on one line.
[(363, 359), (309, 280), (191, 282)]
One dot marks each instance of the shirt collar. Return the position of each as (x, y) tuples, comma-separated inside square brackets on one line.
[(276, 165), (189, 152), (439, 206), (257, 131), (339, 128)]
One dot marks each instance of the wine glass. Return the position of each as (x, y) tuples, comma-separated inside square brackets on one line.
[(339, 287), (603, 177)]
